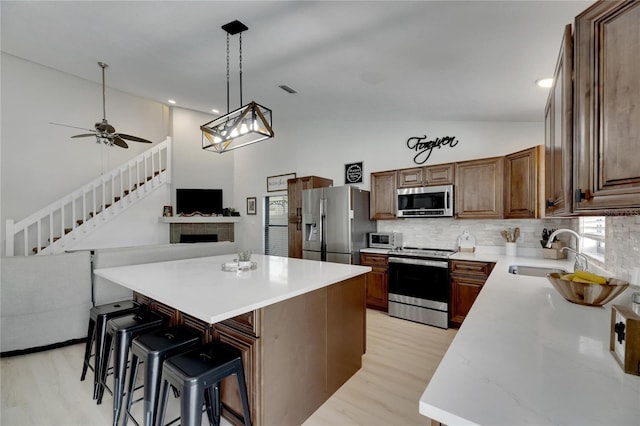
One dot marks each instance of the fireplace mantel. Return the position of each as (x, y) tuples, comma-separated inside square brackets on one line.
[(199, 219)]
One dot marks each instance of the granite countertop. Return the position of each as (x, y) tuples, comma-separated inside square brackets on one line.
[(199, 287), (525, 355)]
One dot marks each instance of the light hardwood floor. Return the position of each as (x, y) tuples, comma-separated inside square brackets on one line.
[(44, 388)]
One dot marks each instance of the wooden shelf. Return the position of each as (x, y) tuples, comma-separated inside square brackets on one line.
[(199, 219)]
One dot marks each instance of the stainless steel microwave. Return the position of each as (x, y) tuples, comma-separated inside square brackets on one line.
[(426, 201)]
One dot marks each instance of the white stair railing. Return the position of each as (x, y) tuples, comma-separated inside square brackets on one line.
[(54, 228)]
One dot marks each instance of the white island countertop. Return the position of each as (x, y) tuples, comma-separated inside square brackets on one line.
[(199, 287), (526, 356)]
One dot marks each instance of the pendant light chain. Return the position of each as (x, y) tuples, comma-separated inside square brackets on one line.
[(241, 70), (228, 73)]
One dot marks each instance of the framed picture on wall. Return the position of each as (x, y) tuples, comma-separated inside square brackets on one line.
[(251, 205), (353, 173), (279, 183)]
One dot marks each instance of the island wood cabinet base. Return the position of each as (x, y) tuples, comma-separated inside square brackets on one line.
[(296, 353)]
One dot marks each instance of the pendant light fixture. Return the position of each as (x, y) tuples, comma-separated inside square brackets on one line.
[(246, 125)]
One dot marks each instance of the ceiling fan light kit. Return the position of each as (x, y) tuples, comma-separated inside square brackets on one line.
[(246, 125)]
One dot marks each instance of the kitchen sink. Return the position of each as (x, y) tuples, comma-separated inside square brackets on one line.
[(534, 271)]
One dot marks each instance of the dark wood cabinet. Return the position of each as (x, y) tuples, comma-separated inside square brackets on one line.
[(607, 108), (377, 280), (383, 195), (409, 178), (294, 194), (467, 279), (521, 184), (249, 346), (558, 123), (439, 174), (479, 193)]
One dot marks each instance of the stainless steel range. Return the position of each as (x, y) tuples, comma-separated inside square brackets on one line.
[(419, 285)]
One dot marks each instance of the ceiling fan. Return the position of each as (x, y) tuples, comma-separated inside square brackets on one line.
[(105, 132)]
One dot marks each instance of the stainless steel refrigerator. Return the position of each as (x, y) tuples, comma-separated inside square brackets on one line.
[(335, 223)]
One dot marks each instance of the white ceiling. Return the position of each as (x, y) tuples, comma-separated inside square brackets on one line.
[(381, 60)]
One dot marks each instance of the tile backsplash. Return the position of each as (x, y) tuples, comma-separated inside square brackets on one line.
[(622, 242), (622, 245), (443, 233)]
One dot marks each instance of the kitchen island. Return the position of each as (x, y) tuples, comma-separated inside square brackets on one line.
[(525, 355), (300, 324)]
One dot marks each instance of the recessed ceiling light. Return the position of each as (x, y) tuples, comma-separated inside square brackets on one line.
[(215, 111), (544, 82), (171, 101)]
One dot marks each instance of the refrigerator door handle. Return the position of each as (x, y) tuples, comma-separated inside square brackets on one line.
[(323, 235)]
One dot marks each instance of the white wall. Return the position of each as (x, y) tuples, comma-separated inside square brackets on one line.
[(39, 161), (192, 166), (135, 226)]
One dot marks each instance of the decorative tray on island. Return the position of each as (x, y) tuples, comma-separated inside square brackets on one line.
[(238, 266)]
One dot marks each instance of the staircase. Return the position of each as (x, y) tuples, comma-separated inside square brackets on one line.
[(56, 228)]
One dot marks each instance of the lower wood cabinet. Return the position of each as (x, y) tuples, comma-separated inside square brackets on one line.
[(377, 280), (249, 347), (467, 279)]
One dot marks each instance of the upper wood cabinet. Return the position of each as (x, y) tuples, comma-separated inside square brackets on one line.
[(607, 107), (294, 195), (478, 190), (439, 174), (521, 184), (559, 133), (383, 195)]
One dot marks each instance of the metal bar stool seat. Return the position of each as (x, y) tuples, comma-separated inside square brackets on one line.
[(120, 333), (96, 335), (154, 348), (197, 375)]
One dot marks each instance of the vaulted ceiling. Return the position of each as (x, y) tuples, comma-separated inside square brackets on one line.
[(348, 60)]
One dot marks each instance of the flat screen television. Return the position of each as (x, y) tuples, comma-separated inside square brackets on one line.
[(205, 201)]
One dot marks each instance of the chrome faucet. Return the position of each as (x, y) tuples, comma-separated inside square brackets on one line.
[(581, 261)]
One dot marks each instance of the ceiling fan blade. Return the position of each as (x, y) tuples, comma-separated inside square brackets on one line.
[(120, 142), (85, 135), (73, 127), (133, 138)]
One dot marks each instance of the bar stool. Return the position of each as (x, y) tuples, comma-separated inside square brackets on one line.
[(96, 334), (197, 375), (154, 348), (120, 332)]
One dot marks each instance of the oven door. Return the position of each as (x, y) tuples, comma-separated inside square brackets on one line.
[(420, 282)]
